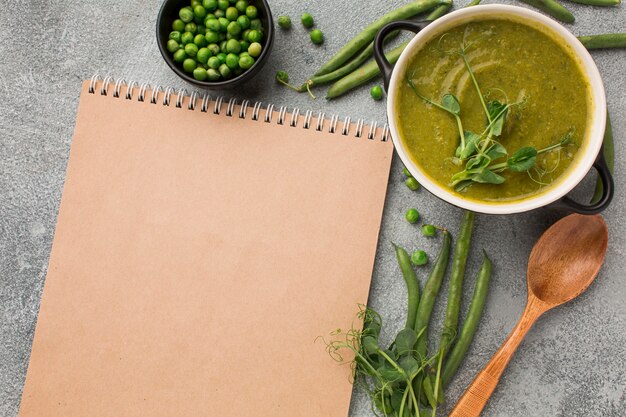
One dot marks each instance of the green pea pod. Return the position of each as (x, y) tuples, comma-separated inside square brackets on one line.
[(609, 155), (367, 35), (553, 8), (607, 40), (427, 301), (481, 289), (459, 262), (411, 285), (363, 74)]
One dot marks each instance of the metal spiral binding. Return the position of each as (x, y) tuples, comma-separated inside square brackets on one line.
[(102, 86)]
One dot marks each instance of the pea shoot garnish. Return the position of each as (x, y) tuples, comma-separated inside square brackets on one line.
[(482, 155), (283, 78)]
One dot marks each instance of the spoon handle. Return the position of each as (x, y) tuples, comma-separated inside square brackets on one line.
[(477, 394)]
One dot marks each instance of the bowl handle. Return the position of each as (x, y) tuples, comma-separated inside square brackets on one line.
[(379, 53), (608, 189)]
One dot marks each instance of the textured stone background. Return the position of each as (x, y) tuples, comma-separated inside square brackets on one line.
[(572, 363)]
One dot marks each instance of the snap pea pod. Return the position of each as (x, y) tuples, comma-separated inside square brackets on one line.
[(367, 35), (608, 40), (471, 321), (362, 74), (346, 69), (427, 301), (598, 2), (553, 8), (609, 156), (459, 261), (411, 285)]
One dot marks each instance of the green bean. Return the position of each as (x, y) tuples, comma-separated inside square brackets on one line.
[(427, 301), (598, 2), (367, 35), (471, 321), (438, 12), (609, 156), (362, 74), (608, 40), (459, 261), (553, 8), (346, 69), (411, 285)]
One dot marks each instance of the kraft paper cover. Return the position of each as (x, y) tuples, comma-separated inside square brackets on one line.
[(196, 259)]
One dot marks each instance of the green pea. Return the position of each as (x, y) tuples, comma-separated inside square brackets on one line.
[(244, 45), (203, 55), (200, 40), (223, 46), (191, 49), (209, 16), (178, 25), (200, 74), (252, 12), (232, 14), (222, 4), (317, 37), (225, 71), (214, 62), (419, 258), (244, 53), (284, 22), (213, 25), (214, 48), (407, 173), (244, 34), (189, 65), (244, 22), (246, 61), (255, 36), (212, 37), (199, 12), (186, 38), (233, 46), (210, 5), (219, 13), (232, 61), (172, 46), (256, 24), (223, 24), (213, 75), (180, 55), (195, 3), (191, 27), (307, 20), (241, 5), (201, 65), (222, 57), (412, 215), (429, 230), (186, 14), (175, 35), (412, 184), (233, 28), (377, 93), (255, 49)]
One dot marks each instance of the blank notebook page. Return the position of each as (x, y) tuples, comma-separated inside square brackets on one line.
[(196, 259)]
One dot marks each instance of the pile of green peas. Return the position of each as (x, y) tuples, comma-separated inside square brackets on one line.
[(216, 40)]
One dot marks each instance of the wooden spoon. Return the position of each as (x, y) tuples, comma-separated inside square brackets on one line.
[(563, 263)]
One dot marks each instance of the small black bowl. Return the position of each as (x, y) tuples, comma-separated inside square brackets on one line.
[(169, 13)]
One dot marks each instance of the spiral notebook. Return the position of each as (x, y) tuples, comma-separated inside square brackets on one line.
[(201, 248)]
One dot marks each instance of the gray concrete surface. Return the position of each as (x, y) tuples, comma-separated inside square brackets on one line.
[(572, 364)]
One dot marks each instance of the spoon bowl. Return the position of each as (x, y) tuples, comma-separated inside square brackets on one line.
[(563, 263), (567, 258)]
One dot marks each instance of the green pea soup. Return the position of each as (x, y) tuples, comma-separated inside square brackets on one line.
[(513, 61)]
